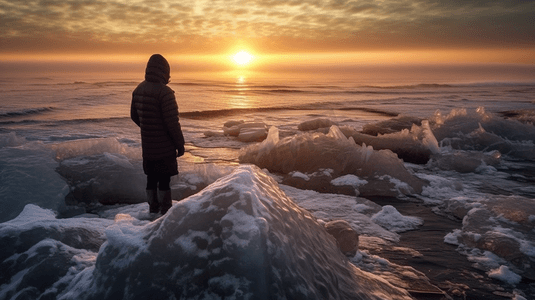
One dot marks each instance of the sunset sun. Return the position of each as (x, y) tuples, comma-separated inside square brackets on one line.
[(242, 58)]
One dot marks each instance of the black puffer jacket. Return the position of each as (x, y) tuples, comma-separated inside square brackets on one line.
[(155, 111)]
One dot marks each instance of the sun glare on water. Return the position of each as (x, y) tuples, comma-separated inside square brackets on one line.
[(242, 58)]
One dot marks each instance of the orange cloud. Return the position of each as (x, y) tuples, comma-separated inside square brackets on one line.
[(269, 26)]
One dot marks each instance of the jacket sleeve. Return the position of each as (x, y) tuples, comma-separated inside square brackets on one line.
[(171, 120), (133, 112)]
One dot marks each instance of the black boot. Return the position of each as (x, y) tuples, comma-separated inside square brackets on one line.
[(152, 199), (165, 201)]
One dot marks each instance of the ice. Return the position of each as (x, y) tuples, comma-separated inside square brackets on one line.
[(315, 124), (244, 234), (298, 174), (526, 116), (329, 207), (40, 255), (402, 276), (89, 147), (107, 178), (27, 175), (35, 223), (11, 140), (504, 274), (391, 125), (349, 179), (415, 145), (310, 152), (483, 131), (392, 220), (465, 161), (500, 225), (246, 131)]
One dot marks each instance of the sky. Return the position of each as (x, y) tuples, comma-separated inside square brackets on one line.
[(311, 31)]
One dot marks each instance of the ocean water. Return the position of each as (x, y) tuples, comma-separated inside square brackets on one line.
[(467, 140)]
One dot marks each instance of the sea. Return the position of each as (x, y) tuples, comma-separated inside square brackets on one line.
[(63, 134)]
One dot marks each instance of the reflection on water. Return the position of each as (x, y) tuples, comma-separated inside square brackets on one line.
[(241, 97)]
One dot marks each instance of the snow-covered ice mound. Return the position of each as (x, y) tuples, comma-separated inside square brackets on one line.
[(240, 238)]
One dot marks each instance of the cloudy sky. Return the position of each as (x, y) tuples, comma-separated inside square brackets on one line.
[(492, 30)]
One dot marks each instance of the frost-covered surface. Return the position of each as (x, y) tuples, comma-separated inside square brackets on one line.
[(241, 237)]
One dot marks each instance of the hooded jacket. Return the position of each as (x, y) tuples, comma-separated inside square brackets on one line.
[(155, 111)]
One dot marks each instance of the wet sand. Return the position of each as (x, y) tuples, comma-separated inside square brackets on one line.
[(440, 262)]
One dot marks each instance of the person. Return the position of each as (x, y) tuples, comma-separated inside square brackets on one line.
[(154, 109)]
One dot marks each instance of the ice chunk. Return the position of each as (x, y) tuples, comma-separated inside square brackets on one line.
[(298, 174), (11, 140), (504, 274), (35, 224), (252, 134), (356, 211), (310, 152), (349, 179), (315, 124), (416, 145), (244, 234), (484, 131), (453, 237), (90, 147), (246, 131), (391, 126), (500, 225), (465, 161), (27, 175), (392, 220), (106, 179)]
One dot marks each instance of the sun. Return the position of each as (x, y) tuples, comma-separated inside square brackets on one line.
[(242, 58)]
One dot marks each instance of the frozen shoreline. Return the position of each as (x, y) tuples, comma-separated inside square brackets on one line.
[(381, 226), (461, 173)]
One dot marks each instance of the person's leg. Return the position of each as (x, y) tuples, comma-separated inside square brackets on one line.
[(152, 194), (164, 193)]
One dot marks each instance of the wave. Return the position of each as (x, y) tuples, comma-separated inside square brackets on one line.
[(414, 86), (207, 114), (51, 123), (26, 112)]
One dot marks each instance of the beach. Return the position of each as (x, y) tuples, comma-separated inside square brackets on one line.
[(435, 173)]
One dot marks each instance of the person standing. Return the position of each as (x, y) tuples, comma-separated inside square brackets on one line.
[(154, 109)]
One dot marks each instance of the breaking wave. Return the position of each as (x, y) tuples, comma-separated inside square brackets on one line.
[(26, 112)]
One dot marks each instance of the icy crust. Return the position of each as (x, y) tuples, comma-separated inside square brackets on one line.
[(240, 238), (503, 226), (312, 152)]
